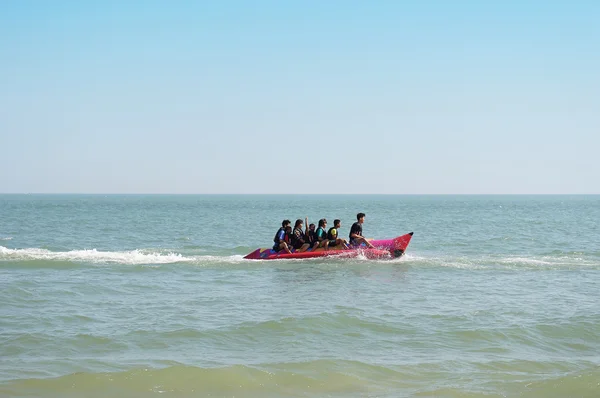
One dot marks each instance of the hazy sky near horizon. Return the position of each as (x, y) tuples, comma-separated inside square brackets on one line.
[(300, 96)]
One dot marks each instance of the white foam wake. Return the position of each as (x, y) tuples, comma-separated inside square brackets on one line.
[(93, 256), (6, 238), (132, 257)]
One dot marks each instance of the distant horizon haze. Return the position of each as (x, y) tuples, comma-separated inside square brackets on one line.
[(269, 97)]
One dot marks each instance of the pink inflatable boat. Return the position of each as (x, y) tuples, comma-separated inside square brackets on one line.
[(384, 248)]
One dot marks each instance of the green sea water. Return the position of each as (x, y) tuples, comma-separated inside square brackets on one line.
[(149, 295)]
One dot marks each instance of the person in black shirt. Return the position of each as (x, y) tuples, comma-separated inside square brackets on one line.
[(310, 235), (356, 238)]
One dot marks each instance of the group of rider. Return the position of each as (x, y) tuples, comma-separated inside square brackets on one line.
[(288, 239)]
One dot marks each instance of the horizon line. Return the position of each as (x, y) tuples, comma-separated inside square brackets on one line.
[(289, 194)]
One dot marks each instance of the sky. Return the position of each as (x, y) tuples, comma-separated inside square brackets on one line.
[(349, 97)]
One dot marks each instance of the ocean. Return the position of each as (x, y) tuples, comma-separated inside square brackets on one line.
[(149, 295)]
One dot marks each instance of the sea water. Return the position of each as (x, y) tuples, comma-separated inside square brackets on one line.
[(149, 295)]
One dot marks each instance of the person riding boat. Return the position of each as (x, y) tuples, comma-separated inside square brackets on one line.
[(356, 238), (310, 235), (321, 234), (298, 241), (282, 237), (332, 235)]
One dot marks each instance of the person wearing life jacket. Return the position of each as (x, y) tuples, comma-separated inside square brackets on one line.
[(310, 236), (298, 241), (356, 238), (321, 234), (282, 237), (332, 235)]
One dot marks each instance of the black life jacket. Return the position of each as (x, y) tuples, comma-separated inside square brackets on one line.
[(298, 237), (276, 238)]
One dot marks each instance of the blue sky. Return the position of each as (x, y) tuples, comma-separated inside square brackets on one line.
[(300, 97)]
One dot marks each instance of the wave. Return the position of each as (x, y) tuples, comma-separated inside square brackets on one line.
[(316, 378), (508, 262), (35, 256), (92, 256), (6, 238), (181, 380), (38, 257)]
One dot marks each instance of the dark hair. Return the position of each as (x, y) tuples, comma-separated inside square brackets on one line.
[(336, 222), (322, 222), (285, 222), (288, 228), (360, 215), (312, 225), (298, 223)]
